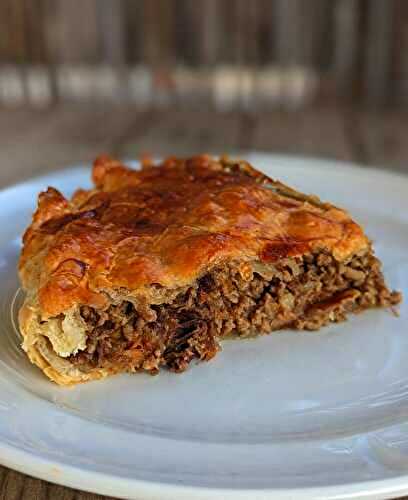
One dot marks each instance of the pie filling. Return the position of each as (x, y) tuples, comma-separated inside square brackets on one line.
[(232, 299)]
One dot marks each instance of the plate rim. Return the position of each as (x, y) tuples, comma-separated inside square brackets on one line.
[(90, 481), (248, 155)]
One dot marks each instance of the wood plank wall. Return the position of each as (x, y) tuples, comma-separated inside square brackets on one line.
[(222, 53)]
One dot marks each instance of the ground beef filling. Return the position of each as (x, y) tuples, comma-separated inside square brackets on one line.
[(302, 293)]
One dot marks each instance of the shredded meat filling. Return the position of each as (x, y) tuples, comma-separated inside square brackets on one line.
[(302, 293)]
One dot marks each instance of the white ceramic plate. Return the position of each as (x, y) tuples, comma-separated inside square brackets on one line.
[(291, 415)]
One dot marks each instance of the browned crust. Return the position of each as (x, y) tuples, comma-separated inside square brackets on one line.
[(165, 225)]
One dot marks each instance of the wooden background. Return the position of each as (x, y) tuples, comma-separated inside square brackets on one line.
[(227, 54)]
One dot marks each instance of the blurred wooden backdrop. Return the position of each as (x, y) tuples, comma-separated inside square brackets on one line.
[(225, 54)]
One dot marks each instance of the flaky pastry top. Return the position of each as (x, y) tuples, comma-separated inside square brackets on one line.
[(165, 225)]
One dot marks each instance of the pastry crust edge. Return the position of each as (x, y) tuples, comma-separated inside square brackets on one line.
[(40, 354)]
